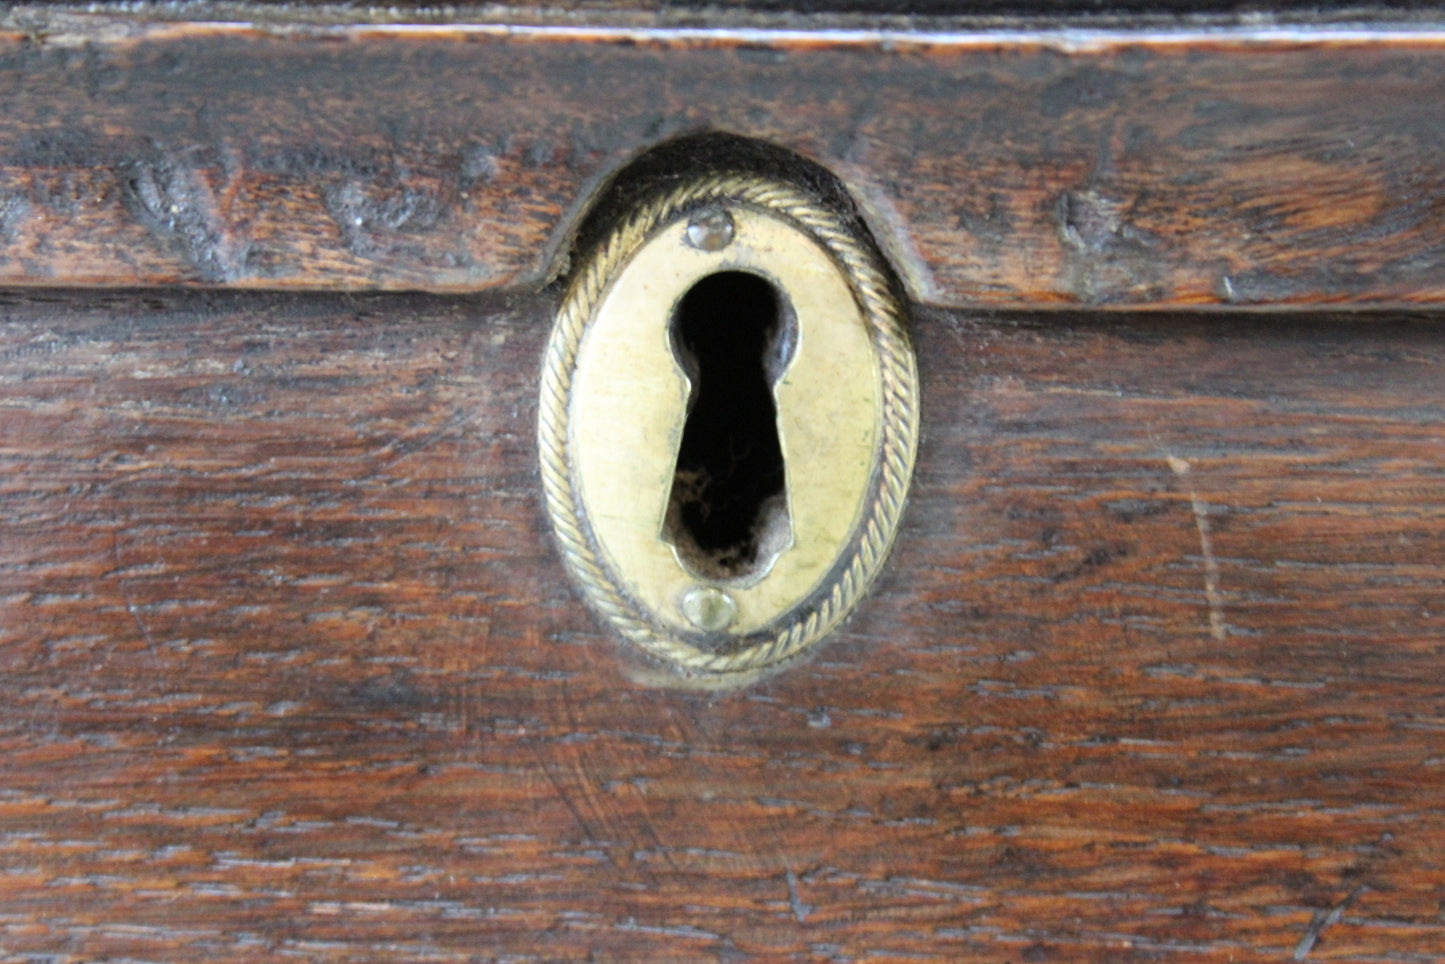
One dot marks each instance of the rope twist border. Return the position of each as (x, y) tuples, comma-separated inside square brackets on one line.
[(899, 377)]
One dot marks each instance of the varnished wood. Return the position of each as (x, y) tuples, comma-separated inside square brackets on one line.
[(1168, 166), (289, 668)]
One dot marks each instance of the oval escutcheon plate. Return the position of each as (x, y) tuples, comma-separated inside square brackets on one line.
[(728, 422)]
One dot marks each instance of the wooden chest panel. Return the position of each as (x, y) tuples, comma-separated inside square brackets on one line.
[(1170, 163), (291, 669)]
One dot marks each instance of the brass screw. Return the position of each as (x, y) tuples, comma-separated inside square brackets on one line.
[(710, 230), (709, 608)]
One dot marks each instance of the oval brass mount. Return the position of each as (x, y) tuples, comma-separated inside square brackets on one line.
[(632, 398)]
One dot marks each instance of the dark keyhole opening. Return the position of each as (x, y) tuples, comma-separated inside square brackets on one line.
[(728, 515)]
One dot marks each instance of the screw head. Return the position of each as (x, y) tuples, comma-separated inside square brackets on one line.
[(709, 608), (710, 229)]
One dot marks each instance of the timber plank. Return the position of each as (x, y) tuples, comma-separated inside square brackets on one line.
[(1025, 165), (289, 668)]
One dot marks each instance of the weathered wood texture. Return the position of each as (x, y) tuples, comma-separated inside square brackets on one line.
[(729, 12), (289, 669), (1279, 167)]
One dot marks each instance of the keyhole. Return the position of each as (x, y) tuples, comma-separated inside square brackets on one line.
[(728, 513)]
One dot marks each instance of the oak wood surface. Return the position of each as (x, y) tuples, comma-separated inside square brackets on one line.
[(1038, 166), (289, 669), (728, 11)]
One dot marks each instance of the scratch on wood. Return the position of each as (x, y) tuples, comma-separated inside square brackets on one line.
[(401, 447), (130, 606), (1322, 920), (800, 909), (1217, 627)]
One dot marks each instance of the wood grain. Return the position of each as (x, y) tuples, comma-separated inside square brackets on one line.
[(289, 668), (1049, 167)]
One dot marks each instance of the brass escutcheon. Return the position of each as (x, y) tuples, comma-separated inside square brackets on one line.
[(727, 263)]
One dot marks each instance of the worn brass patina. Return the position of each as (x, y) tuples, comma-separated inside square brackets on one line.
[(616, 397)]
